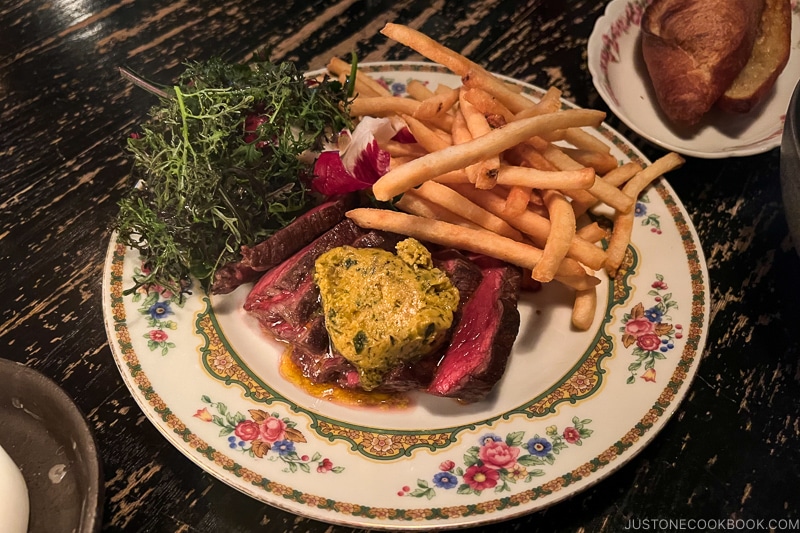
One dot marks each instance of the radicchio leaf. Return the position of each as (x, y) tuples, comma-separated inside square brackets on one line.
[(359, 162)]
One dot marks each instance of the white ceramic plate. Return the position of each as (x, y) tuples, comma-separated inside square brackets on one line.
[(620, 76), (572, 407)]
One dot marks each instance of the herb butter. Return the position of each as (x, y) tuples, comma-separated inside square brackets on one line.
[(383, 309)]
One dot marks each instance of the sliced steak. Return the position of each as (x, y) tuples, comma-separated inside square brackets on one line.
[(481, 343), (281, 245), (286, 298), (231, 276), (304, 229)]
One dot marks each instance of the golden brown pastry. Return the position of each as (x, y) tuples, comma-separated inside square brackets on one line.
[(768, 59), (694, 49)]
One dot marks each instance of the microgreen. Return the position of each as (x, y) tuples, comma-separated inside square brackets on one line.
[(219, 165)]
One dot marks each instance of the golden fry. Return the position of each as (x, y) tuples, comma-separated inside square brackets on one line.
[(480, 79), (517, 200), (414, 204), (426, 137), (437, 105), (559, 239), (461, 155), (465, 208), (543, 179), (429, 48), (535, 226), (618, 243), (570, 273), (642, 179), (584, 308), (418, 90)]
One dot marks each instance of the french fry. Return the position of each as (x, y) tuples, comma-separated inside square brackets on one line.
[(585, 141), (485, 170), (549, 103), (559, 239), (418, 90), (429, 48), (487, 104), (461, 135), (535, 226), (454, 176), (365, 85), (465, 208), (601, 162), (643, 178), (517, 200), (525, 155), (618, 243), (591, 232), (383, 106), (584, 308), (570, 273), (426, 137), (414, 204), (480, 79), (600, 190), (620, 175), (398, 149), (461, 155), (388, 106), (437, 105), (615, 178), (544, 179)]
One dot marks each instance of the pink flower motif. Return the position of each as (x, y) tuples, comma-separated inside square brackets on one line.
[(639, 326), (649, 342), (571, 435), (498, 454), (203, 415), (158, 335), (272, 429), (447, 466), (247, 430), (481, 477), (660, 285)]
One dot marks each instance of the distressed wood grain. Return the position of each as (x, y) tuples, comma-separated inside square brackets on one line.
[(732, 449)]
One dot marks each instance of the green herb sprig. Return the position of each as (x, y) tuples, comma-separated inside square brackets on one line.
[(220, 164)]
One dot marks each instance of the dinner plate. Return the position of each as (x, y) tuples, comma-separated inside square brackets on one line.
[(620, 76), (571, 409)]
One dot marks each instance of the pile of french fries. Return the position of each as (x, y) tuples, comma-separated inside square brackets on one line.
[(496, 173)]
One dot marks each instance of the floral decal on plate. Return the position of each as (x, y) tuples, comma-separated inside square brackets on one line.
[(610, 50), (397, 88), (156, 306), (649, 331), (262, 433), (496, 463), (648, 219)]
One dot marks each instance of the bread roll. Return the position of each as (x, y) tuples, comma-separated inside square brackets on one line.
[(694, 49), (768, 59)]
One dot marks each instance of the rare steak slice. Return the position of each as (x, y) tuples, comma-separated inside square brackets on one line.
[(304, 229), (481, 343), (231, 276), (285, 300), (281, 245)]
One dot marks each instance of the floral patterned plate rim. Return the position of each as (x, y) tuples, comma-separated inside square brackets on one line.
[(620, 76), (571, 408)]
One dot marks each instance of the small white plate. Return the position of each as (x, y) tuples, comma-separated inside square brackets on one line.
[(620, 76)]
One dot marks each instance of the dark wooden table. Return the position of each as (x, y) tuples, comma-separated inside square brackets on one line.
[(731, 452)]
